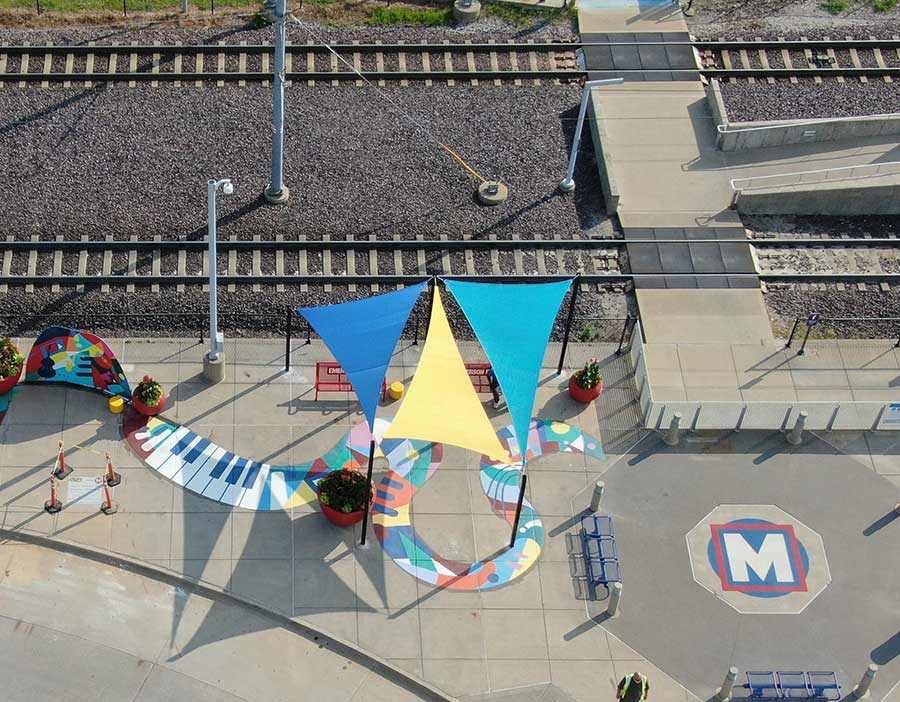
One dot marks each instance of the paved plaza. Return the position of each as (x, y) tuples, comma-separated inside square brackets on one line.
[(543, 634)]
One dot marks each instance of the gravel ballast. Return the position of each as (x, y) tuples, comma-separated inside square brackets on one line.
[(126, 161), (762, 101)]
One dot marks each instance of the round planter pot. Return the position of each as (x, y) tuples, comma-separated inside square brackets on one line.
[(145, 409), (342, 519), (7, 384), (580, 394)]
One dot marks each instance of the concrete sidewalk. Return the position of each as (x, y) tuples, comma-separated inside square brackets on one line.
[(79, 630), (530, 633)]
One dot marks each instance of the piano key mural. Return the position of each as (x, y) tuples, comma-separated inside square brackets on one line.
[(62, 355), (197, 464)]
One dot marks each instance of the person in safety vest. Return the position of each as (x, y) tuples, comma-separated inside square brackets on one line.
[(633, 688)]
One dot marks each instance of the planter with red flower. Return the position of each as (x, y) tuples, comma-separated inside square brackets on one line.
[(148, 397), (11, 362), (342, 496), (586, 384)]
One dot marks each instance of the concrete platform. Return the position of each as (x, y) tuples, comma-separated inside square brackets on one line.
[(704, 316), (700, 593), (620, 16)]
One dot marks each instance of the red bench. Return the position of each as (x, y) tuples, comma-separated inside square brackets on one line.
[(330, 377), (478, 375)]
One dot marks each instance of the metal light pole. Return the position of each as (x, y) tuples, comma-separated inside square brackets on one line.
[(276, 191), (213, 363), (567, 184)]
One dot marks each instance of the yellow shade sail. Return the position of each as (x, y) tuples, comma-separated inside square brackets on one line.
[(441, 404)]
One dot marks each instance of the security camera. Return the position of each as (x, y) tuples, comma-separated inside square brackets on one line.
[(228, 188)]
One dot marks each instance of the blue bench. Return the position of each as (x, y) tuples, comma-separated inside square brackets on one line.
[(600, 554), (793, 685)]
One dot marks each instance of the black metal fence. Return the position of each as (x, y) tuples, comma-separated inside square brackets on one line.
[(817, 326)]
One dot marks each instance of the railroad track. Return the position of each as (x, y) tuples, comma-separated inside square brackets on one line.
[(278, 263), (90, 64), (860, 59)]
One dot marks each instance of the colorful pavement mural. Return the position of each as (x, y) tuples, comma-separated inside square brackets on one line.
[(209, 470), (62, 355)]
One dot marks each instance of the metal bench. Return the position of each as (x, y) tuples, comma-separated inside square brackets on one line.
[(793, 685), (478, 375), (598, 527), (330, 377)]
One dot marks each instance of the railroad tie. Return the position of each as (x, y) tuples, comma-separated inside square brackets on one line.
[(420, 257), (57, 266), (256, 267), (304, 266), (181, 269), (541, 262), (242, 64), (177, 65), (31, 271), (310, 66), (155, 267), (495, 65), (232, 266), (532, 62), (70, 64), (426, 66), (470, 262), (334, 69), (470, 63), (445, 258), (398, 262), (265, 68), (132, 265), (809, 60), (786, 58), (111, 65), (89, 66), (514, 63), (401, 61), (221, 65), (132, 65), (279, 264), (764, 61), (448, 64), (379, 64), (373, 263), (3, 62), (154, 68), (82, 265), (834, 61), (326, 262), (7, 265), (879, 60), (48, 67), (854, 59), (106, 269), (23, 68), (288, 63), (357, 65)]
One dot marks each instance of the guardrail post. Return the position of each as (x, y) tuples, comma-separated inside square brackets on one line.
[(287, 340), (622, 336), (723, 694), (597, 496), (861, 691), (615, 595), (793, 330), (795, 436), (671, 435), (571, 316)]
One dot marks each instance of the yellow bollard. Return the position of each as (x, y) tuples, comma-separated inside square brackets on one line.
[(116, 405), (396, 390)]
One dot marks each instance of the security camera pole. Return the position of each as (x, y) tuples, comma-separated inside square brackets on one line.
[(277, 192), (568, 183), (213, 363)]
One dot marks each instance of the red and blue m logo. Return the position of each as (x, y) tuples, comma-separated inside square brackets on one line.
[(758, 558)]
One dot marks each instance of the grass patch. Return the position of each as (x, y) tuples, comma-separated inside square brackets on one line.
[(885, 5), (523, 15), (409, 16), (116, 5), (836, 7)]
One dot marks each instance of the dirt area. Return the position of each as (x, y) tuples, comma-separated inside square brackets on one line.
[(750, 18)]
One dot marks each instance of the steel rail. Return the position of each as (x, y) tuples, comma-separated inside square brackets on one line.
[(56, 77), (413, 244), (396, 279)]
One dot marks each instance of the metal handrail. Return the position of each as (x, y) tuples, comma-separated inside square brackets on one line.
[(878, 166), (725, 128)]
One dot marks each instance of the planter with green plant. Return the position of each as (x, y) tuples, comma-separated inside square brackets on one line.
[(586, 384), (148, 397), (342, 496), (11, 362)]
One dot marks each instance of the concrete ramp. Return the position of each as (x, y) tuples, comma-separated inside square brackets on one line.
[(704, 316), (877, 195)]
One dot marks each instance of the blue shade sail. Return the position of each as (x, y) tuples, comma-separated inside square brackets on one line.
[(362, 336), (513, 323)]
